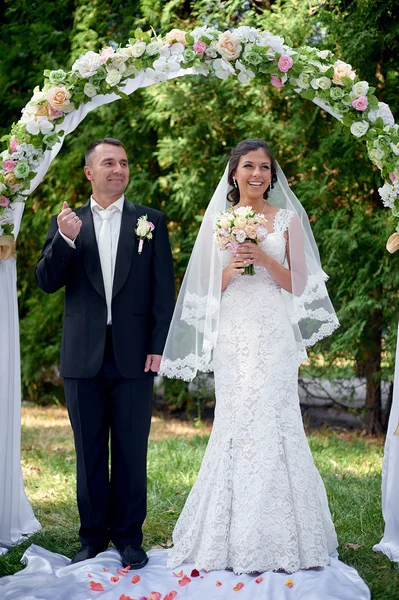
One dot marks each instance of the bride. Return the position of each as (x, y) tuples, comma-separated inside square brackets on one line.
[(258, 503)]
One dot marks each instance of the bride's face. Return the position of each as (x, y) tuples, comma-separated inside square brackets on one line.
[(253, 174)]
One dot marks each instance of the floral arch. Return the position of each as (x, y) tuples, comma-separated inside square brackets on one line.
[(246, 53)]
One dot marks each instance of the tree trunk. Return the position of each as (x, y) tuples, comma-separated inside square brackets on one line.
[(370, 365)]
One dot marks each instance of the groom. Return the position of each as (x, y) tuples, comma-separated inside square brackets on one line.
[(118, 305)]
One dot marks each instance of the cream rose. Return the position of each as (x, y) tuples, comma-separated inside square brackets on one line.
[(59, 97), (143, 228), (342, 69), (9, 178), (41, 110), (240, 222), (176, 35), (250, 230), (229, 46)]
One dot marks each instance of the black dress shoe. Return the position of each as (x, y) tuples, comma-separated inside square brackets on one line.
[(87, 552), (133, 557)]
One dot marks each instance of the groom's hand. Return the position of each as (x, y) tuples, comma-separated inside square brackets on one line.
[(68, 222), (152, 363)]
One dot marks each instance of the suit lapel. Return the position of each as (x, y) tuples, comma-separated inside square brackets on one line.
[(126, 246), (90, 249)]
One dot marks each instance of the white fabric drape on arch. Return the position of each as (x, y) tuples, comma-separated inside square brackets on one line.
[(16, 515), (389, 544)]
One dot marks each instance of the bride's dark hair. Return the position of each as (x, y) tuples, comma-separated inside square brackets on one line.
[(241, 149)]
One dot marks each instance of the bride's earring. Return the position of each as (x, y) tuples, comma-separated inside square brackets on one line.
[(234, 182)]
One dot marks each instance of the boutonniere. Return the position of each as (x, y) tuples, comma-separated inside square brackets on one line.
[(144, 230)]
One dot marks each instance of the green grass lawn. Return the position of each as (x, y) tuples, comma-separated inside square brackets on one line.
[(349, 463)]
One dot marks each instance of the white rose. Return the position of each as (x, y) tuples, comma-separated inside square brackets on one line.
[(113, 77), (2, 187), (241, 236), (153, 48), (117, 62), (303, 81), (323, 53), (210, 52), (376, 156), (395, 148), (136, 50), (359, 89), (359, 128), (388, 195), (324, 83), (90, 90), (87, 64)]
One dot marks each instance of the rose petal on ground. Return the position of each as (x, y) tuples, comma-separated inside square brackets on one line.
[(194, 573), (115, 578), (219, 584), (352, 546), (136, 578), (96, 587), (155, 596), (184, 581), (259, 580), (179, 574), (171, 596), (289, 583), (238, 587), (105, 569), (123, 597), (126, 569), (89, 575), (121, 572)]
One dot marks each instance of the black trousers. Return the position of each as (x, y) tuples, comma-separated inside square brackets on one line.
[(112, 506)]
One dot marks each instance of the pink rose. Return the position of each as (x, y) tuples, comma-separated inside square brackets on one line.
[(360, 103), (392, 177), (105, 54), (54, 113), (4, 201), (9, 165), (285, 63), (199, 47), (13, 145), (276, 82)]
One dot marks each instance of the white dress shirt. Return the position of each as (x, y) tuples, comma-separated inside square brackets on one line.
[(115, 225)]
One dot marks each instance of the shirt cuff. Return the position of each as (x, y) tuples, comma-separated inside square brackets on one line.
[(70, 243)]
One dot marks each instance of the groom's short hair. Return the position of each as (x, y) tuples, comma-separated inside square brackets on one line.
[(91, 147)]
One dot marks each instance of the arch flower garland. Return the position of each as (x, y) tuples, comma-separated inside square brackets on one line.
[(246, 53)]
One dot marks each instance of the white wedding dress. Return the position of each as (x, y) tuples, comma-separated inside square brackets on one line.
[(258, 503)]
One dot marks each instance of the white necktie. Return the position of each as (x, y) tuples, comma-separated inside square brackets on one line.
[(105, 249)]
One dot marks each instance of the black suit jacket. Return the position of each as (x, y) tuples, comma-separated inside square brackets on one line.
[(142, 295)]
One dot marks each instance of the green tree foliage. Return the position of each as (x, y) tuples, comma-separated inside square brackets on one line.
[(178, 137)]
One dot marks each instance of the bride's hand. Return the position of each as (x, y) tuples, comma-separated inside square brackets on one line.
[(251, 254), (235, 266)]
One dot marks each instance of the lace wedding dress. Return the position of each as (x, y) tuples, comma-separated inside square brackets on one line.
[(258, 503)]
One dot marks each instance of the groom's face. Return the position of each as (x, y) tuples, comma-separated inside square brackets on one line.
[(108, 170)]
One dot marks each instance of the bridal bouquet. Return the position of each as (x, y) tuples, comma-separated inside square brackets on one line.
[(233, 227)]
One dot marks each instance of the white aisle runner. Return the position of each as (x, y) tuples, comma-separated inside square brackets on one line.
[(49, 576), (389, 544)]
